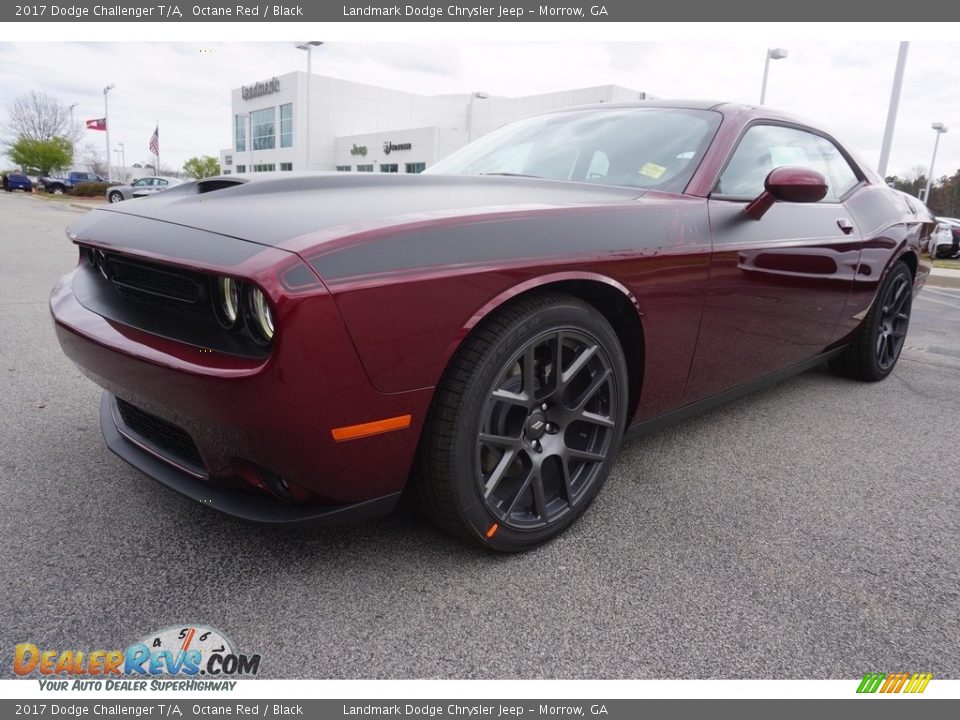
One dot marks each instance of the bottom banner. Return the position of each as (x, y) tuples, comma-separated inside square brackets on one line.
[(874, 709)]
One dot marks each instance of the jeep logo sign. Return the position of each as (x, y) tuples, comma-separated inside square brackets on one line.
[(261, 88), (389, 147)]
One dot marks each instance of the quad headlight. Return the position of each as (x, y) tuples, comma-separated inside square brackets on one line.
[(261, 318), (229, 300)]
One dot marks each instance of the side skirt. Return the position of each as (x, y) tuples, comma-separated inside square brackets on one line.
[(687, 411)]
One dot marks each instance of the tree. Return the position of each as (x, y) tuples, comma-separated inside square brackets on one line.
[(42, 156), (93, 158), (38, 116), (201, 167)]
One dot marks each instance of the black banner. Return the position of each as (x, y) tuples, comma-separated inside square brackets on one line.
[(474, 11)]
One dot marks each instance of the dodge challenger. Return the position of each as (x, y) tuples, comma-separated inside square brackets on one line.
[(300, 350)]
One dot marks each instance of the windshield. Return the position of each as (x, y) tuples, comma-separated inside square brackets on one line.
[(638, 147)]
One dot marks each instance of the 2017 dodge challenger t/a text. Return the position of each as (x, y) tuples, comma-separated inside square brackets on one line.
[(300, 350)]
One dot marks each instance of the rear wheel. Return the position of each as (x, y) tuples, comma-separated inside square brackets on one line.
[(525, 425), (115, 197), (874, 352), (57, 189)]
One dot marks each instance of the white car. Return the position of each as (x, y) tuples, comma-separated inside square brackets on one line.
[(945, 242), (141, 188)]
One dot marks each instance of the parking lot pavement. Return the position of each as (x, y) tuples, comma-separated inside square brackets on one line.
[(808, 531)]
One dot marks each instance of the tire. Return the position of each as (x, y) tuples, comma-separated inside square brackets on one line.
[(57, 189), (876, 348), (510, 468), (115, 197)]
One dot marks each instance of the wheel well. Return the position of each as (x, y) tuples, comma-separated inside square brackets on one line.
[(910, 260), (619, 311)]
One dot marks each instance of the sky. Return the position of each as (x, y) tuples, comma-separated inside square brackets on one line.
[(185, 87)]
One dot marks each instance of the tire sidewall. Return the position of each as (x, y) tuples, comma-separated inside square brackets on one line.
[(898, 269), (469, 502)]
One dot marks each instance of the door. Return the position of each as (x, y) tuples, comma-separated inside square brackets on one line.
[(777, 285)]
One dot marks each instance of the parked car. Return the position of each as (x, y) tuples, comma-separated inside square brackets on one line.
[(141, 187), (17, 181), (946, 239), (60, 185), (295, 350)]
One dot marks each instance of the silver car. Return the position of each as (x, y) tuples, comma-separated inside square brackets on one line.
[(945, 242), (140, 188)]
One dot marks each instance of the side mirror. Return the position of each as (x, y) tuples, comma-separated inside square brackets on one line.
[(788, 184)]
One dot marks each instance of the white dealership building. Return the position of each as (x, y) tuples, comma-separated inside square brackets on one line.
[(355, 127)]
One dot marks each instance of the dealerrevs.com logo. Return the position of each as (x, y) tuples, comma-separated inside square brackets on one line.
[(189, 652), (909, 683)]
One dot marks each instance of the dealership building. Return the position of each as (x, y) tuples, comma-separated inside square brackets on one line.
[(355, 127)]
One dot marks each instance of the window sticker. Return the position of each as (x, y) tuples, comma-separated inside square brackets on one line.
[(652, 170)]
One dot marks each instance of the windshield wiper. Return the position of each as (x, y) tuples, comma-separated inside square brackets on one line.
[(508, 174)]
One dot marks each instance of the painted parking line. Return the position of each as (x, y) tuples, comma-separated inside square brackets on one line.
[(955, 306)]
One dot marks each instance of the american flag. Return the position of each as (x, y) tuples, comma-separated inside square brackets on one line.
[(155, 141), (97, 124)]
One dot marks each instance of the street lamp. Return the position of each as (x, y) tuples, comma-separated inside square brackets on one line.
[(772, 54), (245, 114), (940, 129), (73, 128), (308, 46), (106, 122), (473, 96), (892, 109)]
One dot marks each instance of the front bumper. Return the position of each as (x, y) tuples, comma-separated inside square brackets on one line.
[(251, 419), (237, 503)]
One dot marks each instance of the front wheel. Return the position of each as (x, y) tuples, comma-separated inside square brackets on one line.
[(115, 197), (525, 424), (57, 190), (875, 350)]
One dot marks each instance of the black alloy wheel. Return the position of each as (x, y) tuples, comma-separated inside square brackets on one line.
[(875, 349), (525, 424), (547, 427)]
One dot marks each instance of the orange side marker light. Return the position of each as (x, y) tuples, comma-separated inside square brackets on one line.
[(492, 530), (353, 432)]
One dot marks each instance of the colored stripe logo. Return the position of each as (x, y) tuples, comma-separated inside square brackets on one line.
[(894, 682)]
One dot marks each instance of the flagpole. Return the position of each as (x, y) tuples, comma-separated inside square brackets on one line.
[(106, 123), (157, 131)]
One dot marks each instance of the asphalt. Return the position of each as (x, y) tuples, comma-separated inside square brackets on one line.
[(808, 531)]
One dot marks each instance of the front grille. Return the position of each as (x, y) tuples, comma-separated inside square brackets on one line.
[(165, 435), (161, 286)]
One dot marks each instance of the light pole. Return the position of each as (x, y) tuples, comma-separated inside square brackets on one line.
[(245, 114), (308, 46), (106, 122), (772, 54), (473, 96), (940, 129), (892, 111), (73, 128)]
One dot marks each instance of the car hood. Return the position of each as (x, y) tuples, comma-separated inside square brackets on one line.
[(270, 212)]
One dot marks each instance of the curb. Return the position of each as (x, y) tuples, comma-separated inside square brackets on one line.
[(943, 281)]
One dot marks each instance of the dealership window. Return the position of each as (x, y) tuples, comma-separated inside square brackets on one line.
[(286, 125), (286, 167), (389, 167), (364, 168), (343, 168), (241, 169), (416, 167), (264, 130), (226, 172), (240, 132), (264, 167)]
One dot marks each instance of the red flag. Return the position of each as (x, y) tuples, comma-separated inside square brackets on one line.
[(97, 124), (155, 141)]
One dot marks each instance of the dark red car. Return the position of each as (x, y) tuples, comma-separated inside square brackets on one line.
[(300, 350)]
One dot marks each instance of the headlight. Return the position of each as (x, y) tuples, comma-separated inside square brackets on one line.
[(260, 315), (229, 292)]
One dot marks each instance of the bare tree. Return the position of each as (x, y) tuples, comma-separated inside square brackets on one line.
[(38, 116), (94, 159)]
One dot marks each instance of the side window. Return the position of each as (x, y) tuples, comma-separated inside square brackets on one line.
[(766, 147), (162, 183)]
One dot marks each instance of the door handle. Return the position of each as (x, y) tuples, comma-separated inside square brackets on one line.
[(845, 225)]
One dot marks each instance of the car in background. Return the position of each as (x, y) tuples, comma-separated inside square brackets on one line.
[(141, 188), (17, 181), (945, 242), (60, 185)]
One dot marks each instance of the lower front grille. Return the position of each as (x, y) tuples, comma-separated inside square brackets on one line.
[(164, 435)]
